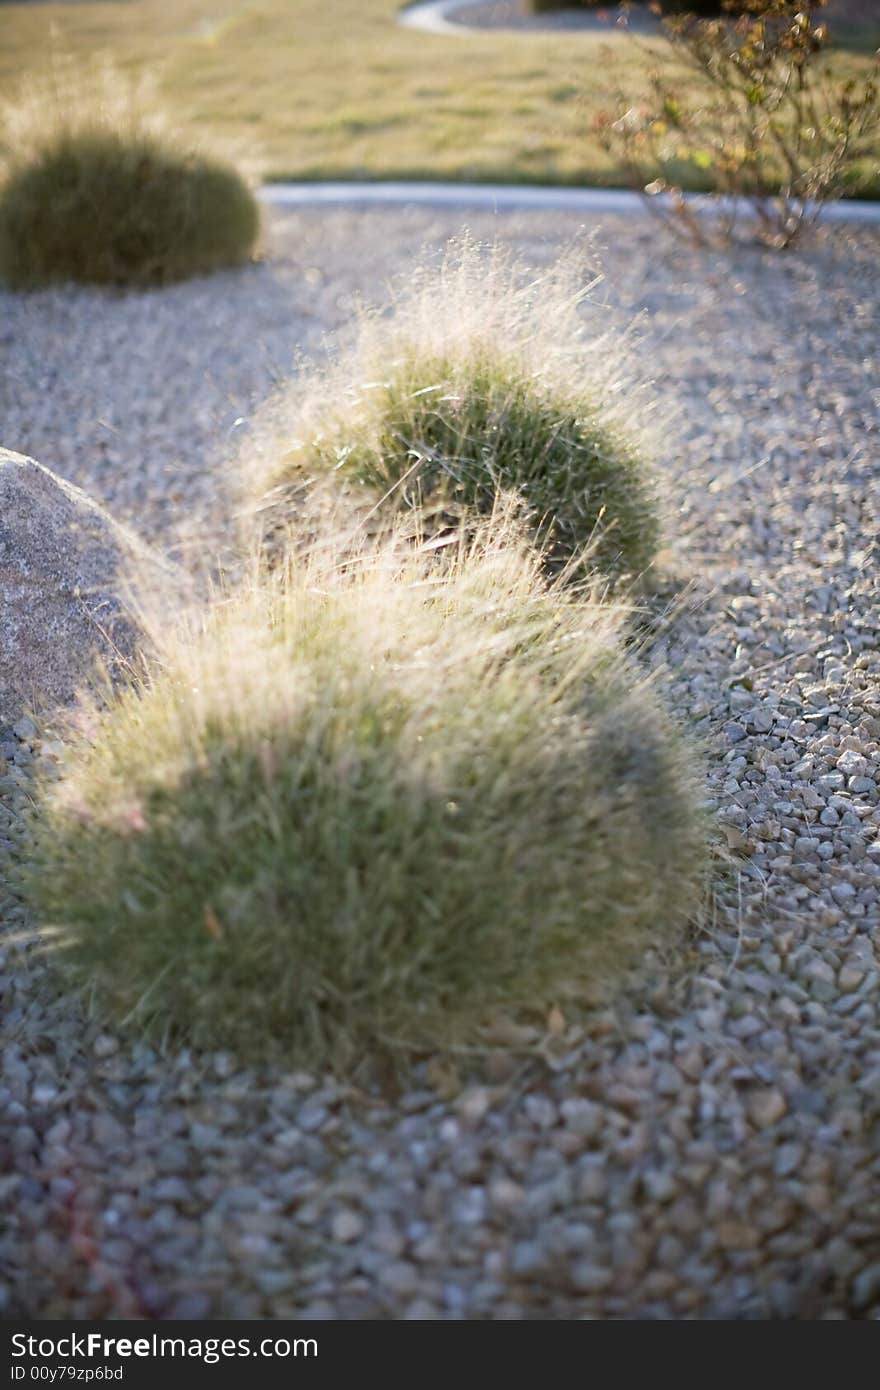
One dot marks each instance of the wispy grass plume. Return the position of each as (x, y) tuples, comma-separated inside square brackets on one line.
[(485, 379)]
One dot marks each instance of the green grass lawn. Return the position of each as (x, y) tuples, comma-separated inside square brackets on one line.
[(322, 90)]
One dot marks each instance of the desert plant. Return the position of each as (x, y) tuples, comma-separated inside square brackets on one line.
[(483, 381), (95, 188), (749, 106), (370, 807)]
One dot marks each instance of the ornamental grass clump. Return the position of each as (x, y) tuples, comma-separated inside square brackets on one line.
[(370, 807), (484, 380), (97, 188)]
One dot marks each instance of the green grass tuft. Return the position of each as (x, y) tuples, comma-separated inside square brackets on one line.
[(482, 383), (370, 807), (89, 197)]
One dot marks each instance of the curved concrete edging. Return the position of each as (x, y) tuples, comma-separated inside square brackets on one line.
[(438, 17), (434, 17), (500, 197)]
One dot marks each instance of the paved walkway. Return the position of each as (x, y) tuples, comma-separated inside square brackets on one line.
[(461, 17)]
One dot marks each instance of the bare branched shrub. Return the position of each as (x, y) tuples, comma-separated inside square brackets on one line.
[(750, 107)]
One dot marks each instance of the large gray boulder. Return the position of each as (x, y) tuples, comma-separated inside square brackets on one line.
[(66, 587)]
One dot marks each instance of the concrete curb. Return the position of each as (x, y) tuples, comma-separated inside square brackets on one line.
[(433, 17), (438, 17), (501, 197)]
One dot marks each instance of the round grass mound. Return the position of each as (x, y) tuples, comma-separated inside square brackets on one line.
[(370, 809), (447, 436), (121, 208), (481, 383)]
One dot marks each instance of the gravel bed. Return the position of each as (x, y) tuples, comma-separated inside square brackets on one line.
[(706, 1146)]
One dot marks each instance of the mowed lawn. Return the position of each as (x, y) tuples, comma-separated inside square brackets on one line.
[(323, 89)]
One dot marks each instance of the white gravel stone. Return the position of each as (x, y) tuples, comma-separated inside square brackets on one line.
[(766, 1107), (347, 1226)]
